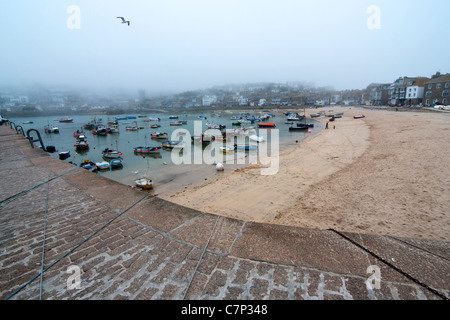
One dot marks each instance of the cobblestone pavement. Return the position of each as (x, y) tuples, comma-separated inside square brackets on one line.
[(104, 240)]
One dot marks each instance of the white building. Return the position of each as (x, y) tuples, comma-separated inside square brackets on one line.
[(414, 92), (209, 100)]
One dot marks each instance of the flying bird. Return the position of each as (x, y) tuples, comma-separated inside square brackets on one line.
[(123, 20)]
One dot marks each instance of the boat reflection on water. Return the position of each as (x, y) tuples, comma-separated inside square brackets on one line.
[(149, 155)]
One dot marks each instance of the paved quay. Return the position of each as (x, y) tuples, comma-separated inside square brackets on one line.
[(67, 233)]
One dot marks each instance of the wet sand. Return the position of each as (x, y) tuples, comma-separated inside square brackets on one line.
[(385, 174)]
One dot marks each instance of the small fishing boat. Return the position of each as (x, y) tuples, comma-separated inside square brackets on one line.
[(203, 139), (160, 135), (88, 165), (111, 154), (359, 117), (301, 125), (147, 150), (113, 129), (64, 155), (154, 119), (155, 126), (102, 165), (129, 128), (27, 122), (226, 149), (100, 131), (169, 144), (178, 123), (51, 129), (65, 120), (314, 115), (256, 138), (116, 163), (215, 126), (294, 117), (298, 128), (173, 117), (266, 125), (81, 145), (144, 183), (245, 147)]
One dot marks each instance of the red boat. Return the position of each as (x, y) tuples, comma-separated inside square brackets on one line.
[(66, 119), (359, 117), (266, 125)]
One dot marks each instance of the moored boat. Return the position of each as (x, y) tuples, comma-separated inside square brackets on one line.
[(65, 120), (147, 150), (245, 147), (256, 138), (102, 165), (144, 183), (116, 163), (159, 135), (51, 129), (169, 144), (359, 117), (64, 155), (226, 149), (111, 154), (266, 125), (298, 128), (88, 165)]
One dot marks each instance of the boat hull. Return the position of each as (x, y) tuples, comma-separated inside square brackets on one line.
[(144, 183)]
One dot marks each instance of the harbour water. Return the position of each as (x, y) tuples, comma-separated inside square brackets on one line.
[(166, 174)]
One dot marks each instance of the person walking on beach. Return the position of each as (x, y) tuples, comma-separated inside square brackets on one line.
[(326, 127)]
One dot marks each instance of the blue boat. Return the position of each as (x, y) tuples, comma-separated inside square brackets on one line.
[(300, 125), (245, 147), (116, 163)]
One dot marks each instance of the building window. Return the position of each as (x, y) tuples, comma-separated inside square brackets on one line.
[(447, 85), (445, 93), (428, 94), (444, 102), (438, 86), (430, 86), (427, 102)]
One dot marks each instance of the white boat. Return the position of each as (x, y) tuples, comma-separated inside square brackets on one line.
[(51, 129), (103, 165), (144, 183), (242, 131), (226, 149), (111, 154), (256, 138)]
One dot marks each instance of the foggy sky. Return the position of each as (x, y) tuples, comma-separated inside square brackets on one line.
[(178, 45)]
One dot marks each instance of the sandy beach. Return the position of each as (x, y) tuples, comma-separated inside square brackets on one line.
[(385, 174)]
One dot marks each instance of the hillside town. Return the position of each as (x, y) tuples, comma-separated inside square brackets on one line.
[(406, 91)]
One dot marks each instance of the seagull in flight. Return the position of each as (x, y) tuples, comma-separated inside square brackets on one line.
[(123, 20)]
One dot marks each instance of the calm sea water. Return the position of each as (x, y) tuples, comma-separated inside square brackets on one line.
[(160, 167)]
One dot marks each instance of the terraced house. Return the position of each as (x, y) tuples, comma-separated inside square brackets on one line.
[(437, 90)]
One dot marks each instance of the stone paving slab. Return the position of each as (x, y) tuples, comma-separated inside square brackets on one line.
[(129, 245)]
